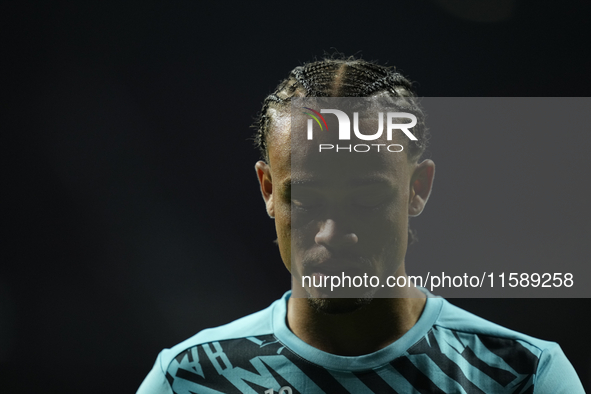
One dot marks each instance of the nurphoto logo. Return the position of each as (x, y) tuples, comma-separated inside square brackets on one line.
[(345, 129)]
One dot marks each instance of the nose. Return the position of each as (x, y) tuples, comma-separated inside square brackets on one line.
[(330, 235)]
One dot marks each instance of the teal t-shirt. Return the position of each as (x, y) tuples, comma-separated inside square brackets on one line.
[(448, 350)]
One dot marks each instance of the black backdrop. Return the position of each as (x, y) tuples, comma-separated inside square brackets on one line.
[(132, 217)]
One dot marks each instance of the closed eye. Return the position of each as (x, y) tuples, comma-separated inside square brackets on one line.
[(372, 198), (306, 204)]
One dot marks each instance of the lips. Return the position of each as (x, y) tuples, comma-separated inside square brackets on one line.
[(336, 267)]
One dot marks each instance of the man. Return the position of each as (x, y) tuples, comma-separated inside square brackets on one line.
[(346, 215)]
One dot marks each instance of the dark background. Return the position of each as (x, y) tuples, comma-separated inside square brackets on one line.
[(132, 217)]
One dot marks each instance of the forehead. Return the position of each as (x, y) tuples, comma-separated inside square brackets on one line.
[(296, 160)]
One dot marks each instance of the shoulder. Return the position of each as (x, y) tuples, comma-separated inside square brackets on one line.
[(258, 324), (462, 321), (483, 344)]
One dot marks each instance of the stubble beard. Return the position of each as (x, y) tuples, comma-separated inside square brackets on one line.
[(340, 306), (356, 300)]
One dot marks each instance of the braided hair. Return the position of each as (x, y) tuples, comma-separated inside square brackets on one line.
[(348, 77)]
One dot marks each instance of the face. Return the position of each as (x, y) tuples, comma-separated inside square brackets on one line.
[(340, 213)]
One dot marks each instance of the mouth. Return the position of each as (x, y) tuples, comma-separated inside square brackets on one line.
[(332, 268), (335, 276)]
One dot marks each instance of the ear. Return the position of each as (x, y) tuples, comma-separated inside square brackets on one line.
[(265, 181), (420, 187)]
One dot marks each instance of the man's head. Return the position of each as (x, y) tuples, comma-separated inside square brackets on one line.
[(332, 214)]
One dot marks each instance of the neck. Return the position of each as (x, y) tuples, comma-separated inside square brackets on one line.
[(362, 331)]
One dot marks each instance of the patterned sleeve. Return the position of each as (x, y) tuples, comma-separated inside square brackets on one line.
[(556, 374)]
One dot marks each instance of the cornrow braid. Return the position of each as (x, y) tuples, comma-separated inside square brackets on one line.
[(334, 77)]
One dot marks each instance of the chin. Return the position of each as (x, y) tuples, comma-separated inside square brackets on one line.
[(338, 306)]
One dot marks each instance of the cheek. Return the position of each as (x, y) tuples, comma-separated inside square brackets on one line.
[(400, 231), (385, 234), (283, 229)]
